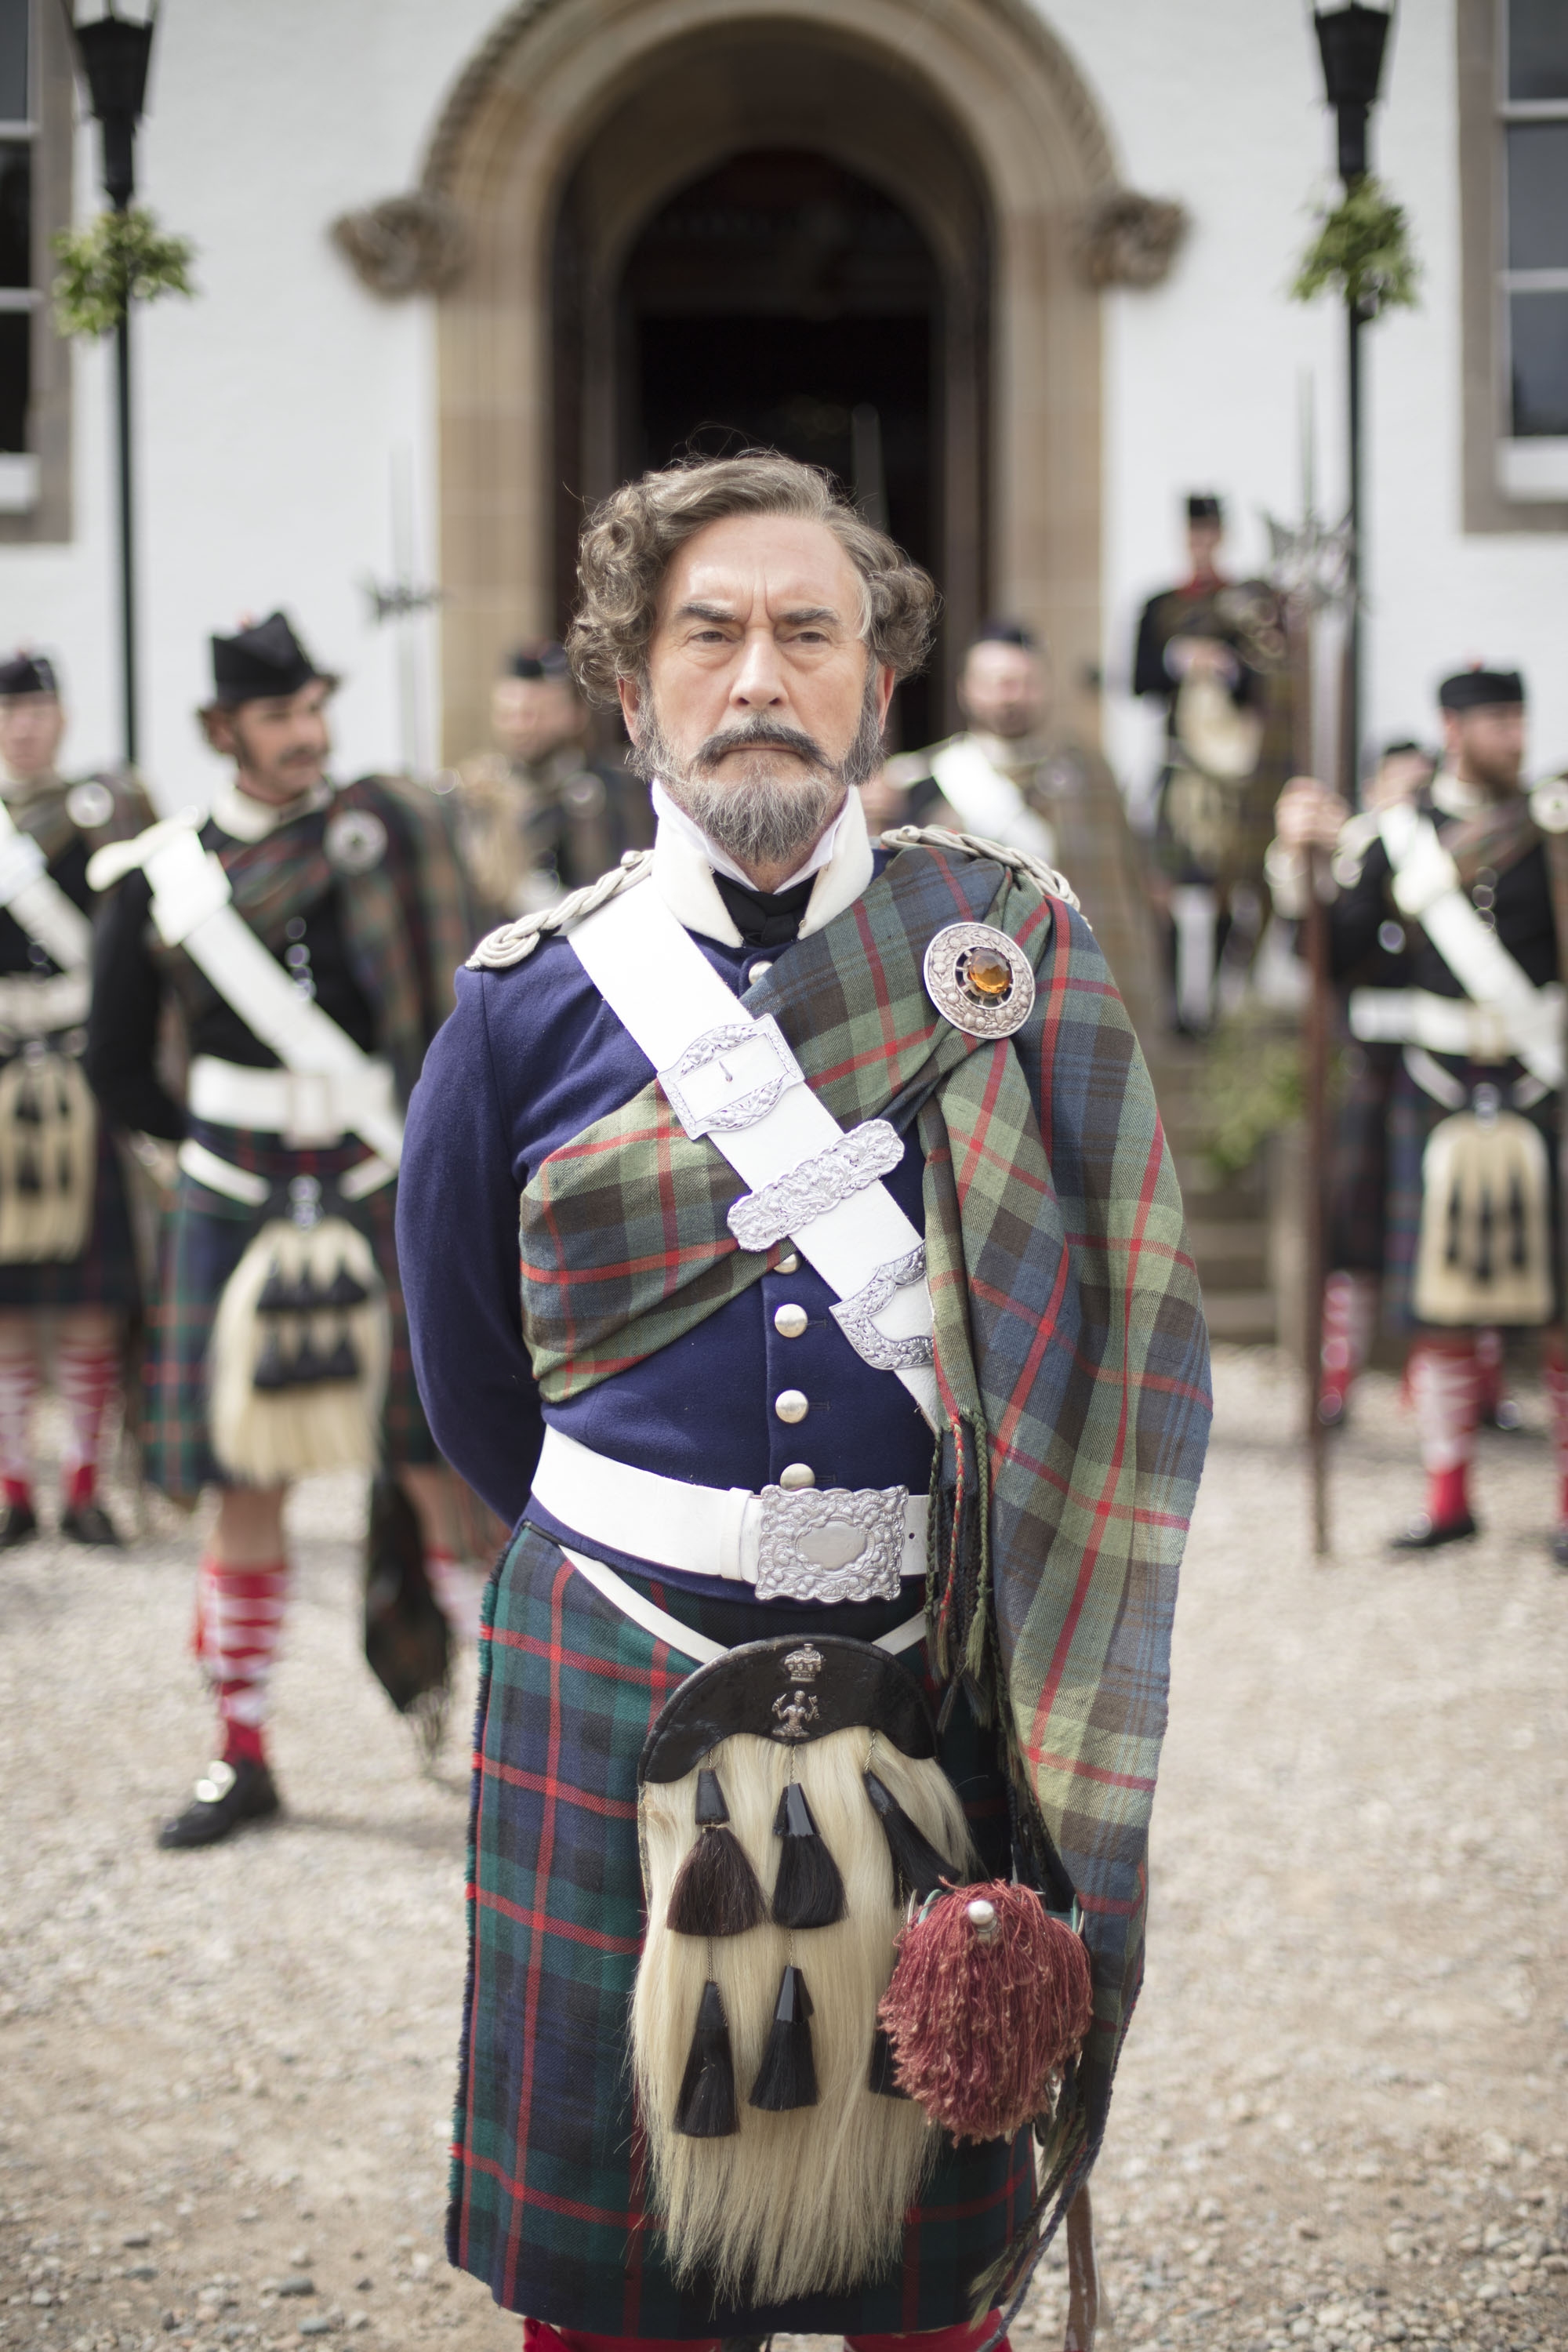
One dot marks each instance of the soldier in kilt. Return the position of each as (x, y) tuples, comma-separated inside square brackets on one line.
[(68, 1278), (848, 1416), (278, 1342), (539, 814), (1466, 887)]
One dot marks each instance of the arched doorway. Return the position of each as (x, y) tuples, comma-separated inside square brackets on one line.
[(783, 296), (930, 156)]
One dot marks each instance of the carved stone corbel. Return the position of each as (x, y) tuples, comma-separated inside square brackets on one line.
[(414, 244), (1126, 239)]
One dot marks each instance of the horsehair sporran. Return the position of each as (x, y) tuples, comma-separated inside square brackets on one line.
[(812, 2199), (266, 1436), (48, 1159)]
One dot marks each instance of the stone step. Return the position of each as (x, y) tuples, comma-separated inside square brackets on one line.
[(1244, 1317), (1230, 1253)]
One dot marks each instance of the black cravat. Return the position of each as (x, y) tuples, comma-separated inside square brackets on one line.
[(765, 919)]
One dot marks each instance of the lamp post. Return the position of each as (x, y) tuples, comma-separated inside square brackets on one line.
[(1352, 41), (114, 52)]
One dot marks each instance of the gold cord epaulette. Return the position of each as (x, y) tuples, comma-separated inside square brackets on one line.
[(513, 941), (937, 836)]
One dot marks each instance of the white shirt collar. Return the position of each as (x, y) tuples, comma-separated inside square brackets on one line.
[(246, 818), (685, 862)]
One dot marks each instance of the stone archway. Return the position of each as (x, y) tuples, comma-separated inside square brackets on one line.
[(1003, 95)]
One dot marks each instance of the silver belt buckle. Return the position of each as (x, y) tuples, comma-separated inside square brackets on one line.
[(831, 1543), (730, 1077)]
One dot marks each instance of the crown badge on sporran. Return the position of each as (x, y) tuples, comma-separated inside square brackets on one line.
[(980, 980)]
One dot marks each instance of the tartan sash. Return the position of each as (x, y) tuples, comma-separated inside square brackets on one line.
[(1071, 1354), (404, 918)]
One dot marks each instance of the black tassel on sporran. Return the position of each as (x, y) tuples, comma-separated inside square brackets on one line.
[(787, 2076), (706, 2108), (883, 2081), (715, 1891), (808, 1891), (918, 1868)]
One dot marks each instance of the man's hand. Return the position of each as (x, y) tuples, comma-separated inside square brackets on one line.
[(1307, 815), (1202, 657)]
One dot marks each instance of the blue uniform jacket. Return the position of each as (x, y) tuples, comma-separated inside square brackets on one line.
[(532, 1055)]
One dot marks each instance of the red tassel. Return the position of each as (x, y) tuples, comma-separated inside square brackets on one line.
[(990, 1999)]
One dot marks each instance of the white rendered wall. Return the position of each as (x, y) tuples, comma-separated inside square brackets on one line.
[(1216, 101), (274, 408)]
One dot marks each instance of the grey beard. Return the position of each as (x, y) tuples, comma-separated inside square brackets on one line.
[(760, 820)]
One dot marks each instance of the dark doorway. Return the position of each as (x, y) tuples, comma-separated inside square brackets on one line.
[(781, 299)]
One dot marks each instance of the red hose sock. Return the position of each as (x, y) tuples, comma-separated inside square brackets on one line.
[(1445, 1390), (18, 1395), (86, 1374), (1350, 1313), (239, 1619)]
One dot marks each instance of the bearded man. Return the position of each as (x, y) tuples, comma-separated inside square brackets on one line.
[(1013, 776), (300, 944), (1459, 892), (848, 1415), (68, 1264)]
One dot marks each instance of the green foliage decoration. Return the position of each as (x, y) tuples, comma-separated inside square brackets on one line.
[(1361, 252), (114, 260), (1253, 1085)]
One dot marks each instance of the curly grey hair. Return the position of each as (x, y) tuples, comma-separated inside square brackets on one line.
[(630, 538)]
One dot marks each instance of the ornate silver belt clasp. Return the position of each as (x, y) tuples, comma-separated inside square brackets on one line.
[(833, 1543), (731, 1076), (886, 1351), (830, 1177)]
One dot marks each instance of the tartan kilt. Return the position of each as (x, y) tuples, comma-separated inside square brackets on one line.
[(1411, 1115), (1358, 1175), (547, 2183), (203, 1237), (106, 1274)]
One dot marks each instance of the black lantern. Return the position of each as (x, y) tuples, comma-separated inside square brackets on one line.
[(115, 52), (1352, 41)]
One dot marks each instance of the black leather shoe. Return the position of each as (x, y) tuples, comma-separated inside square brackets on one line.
[(89, 1523), (227, 1795), (18, 1525), (1421, 1535)]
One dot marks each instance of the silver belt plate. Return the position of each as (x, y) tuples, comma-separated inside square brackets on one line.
[(833, 1543)]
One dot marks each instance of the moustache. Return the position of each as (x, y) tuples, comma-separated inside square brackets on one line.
[(759, 734)]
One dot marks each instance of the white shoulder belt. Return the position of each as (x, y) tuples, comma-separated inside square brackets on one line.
[(192, 909), (733, 1079), (987, 801), (1508, 1014), (29, 894)]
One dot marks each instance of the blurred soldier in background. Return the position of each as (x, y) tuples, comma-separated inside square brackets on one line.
[(1358, 1182), (1468, 883), (67, 1264), (1011, 777), (305, 940), (1214, 652), (538, 815)]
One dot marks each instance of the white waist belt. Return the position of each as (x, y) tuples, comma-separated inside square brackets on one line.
[(306, 1107), (1454, 1025), (42, 1007), (828, 1544)]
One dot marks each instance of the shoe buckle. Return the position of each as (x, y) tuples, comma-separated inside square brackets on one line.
[(216, 1782)]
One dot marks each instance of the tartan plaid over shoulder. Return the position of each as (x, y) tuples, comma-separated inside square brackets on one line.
[(1071, 1352)]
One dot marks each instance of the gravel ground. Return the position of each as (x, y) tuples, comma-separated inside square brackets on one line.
[(1343, 2118)]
